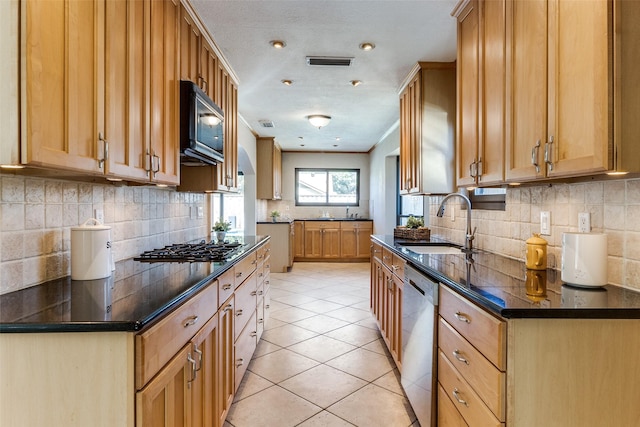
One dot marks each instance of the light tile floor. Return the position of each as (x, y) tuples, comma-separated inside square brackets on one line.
[(321, 361)]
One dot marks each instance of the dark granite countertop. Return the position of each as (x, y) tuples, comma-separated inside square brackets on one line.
[(136, 294), (505, 286)]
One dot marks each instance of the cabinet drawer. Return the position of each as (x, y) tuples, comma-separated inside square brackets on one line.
[(465, 400), (246, 298), (321, 225), (159, 343), (245, 267), (448, 415), (351, 225), (376, 250), (486, 332), (397, 266), (226, 285), (485, 378), (262, 252), (387, 258), (245, 347)]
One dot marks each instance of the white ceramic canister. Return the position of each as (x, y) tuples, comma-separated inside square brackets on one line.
[(584, 259), (90, 251)]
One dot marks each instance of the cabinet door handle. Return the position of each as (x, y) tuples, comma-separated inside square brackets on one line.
[(548, 153), (192, 361), (462, 317), (534, 156), (456, 395), (238, 274), (189, 321), (458, 356), (155, 164), (239, 312), (199, 353), (105, 150), (229, 307), (226, 286), (260, 320), (253, 334), (479, 168), (254, 293), (473, 169), (240, 362)]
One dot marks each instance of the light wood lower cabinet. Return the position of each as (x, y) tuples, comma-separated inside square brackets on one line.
[(332, 240), (282, 241), (226, 359), (387, 286)]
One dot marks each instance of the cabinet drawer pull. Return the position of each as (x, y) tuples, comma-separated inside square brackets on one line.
[(191, 320), (254, 293), (229, 307), (260, 293), (267, 306), (239, 362), (260, 320), (456, 395), (253, 334), (462, 317), (458, 356), (239, 312), (238, 274), (226, 286), (260, 274)]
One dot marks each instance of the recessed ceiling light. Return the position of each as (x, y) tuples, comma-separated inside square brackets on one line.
[(287, 82), (337, 138), (301, 145), (335, 145), (278, 44), (367, 46), (301, 137), (355, 83)]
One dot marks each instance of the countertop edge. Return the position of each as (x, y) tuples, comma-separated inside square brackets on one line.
[(515, 313), (129, 326)]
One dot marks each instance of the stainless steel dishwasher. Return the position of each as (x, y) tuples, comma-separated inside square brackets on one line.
[(419, 344)]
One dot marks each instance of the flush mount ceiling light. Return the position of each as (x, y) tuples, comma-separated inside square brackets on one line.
[(319, 120), (277, 44), (367, 46), (287, 82), (355, 83)]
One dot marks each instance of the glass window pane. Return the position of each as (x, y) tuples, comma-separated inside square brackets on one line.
[(343, 188), (312, 187), (328, 187)]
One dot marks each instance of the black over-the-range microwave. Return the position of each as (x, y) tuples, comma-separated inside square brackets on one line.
[(201, 127)]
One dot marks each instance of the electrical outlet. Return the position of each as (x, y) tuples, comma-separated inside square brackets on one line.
[(99, 215), (200, 212), (584, 222), (545, 223)]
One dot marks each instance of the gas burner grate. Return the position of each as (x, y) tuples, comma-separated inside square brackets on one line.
[(192, 252)]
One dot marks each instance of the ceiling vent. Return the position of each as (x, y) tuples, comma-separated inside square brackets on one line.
[(266, 123), (331, 61)]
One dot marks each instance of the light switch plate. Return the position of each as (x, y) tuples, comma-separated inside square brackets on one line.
[(545, 223)]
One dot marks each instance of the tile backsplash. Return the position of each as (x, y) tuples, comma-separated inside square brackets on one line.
[(36, 216), (614, 207)]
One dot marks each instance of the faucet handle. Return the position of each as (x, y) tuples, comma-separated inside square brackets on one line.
[(473, 234)]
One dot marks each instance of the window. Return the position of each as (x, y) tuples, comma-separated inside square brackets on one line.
[(406, 206), (327, 187)]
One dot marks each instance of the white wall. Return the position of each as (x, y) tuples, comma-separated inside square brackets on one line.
[(291, 161), (247, 164), (382, 161)]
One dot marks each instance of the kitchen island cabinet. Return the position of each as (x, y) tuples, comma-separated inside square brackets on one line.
[(156, 348), (514, 354), (282, 242)]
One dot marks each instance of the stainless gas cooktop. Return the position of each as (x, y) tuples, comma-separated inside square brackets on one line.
[(192, 252)]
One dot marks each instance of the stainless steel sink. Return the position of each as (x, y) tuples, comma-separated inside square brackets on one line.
[(431, 248)]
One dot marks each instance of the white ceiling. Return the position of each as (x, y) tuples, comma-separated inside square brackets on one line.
[(404, 33)]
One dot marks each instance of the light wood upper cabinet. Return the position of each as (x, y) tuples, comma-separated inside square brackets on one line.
[(481, 89), (269, 158), (63, 85), (427, 129), (568, 64), (112, 69)]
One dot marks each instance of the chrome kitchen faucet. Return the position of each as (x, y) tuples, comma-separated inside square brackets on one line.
[(468, 242)]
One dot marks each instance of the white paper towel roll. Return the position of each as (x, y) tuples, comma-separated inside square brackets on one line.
[(584, 259)]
